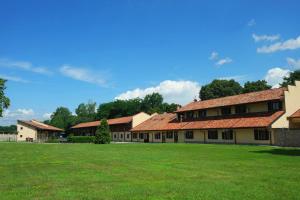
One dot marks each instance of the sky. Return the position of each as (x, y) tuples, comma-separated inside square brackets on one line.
[(63, 53)]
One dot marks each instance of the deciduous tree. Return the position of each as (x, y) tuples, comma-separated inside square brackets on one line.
[(4, 100)]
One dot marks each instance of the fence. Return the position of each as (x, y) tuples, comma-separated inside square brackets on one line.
[(8, 137), (287, 137)]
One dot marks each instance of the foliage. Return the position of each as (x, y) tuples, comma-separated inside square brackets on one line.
[(103, 133), (8, 129), (290, 80), (4, 101), (220, 88), (152, 103), (53, 140), (81, 139), (85, 112), (62, 118), (256, 86)]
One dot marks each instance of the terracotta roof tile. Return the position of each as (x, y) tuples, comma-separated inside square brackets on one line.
[(295, 114), (266, 95), (40, 125), (120, 120)]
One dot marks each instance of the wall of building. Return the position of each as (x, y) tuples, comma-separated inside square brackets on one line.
[(139, 118), (287, 137), (121, 136), (246, 136), (25, 132), (292, 104)]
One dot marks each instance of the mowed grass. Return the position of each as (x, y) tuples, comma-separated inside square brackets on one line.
[(148, 171)]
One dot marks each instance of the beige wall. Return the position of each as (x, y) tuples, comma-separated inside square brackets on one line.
[(220, 139), (257, 107), (120, 136), (246, 136), (213, 112), (25, 132), (292, 104), (139, 118)]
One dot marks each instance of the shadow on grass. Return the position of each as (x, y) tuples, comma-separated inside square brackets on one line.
[(285, 152)]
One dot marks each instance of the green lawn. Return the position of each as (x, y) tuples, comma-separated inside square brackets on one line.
[(148, 171)]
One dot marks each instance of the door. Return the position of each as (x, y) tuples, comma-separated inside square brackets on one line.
[(146, 137), (163, 137), (175, 137)]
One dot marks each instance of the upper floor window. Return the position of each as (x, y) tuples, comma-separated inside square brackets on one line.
[(274, 105), (169, 134), (190, 115), (240, 109), (261, 134), (226, 110), (202, 113), (212, 134), (227, 134), (189, 135)]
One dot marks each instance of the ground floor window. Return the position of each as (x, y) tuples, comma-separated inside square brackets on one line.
[(128, 136), (227, 134), (121, 135), (189, 135), (261, 134), (169, 134), (115, 136), (157, 136), (141, 135), (212, 134), (134, 135)]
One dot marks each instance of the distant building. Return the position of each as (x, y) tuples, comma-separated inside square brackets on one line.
[(267, 117), (119, 127), (36, 131)]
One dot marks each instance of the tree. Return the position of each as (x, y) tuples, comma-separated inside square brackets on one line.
[(4, 101), (62, 118), (256, 86), (220, 88), (290, 80), (102, 133), (86, 112), (152, 103)]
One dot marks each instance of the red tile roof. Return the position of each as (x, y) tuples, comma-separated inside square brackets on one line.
[(120, 120), (295, 114), (40, 125), (266, 95), (168, 122)]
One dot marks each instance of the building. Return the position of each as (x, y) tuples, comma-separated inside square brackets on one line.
[(269, 117), (35, 131), (119, 127)]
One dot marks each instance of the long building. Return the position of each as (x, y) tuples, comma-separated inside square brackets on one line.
[(270, 117)]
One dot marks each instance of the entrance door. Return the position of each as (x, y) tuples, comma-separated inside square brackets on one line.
[(163, 137), (175, 137), (146, 137)]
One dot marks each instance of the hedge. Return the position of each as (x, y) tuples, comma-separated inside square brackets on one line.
[(81, 139)]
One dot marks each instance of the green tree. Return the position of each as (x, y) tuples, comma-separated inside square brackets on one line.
[(86, 112), (220, 88), (62, 118), (4, 101), (255, 86), (152, 103), (103, 133), (294, 76)]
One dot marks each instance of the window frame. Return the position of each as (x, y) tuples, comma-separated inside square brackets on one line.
[(262, 134), (213, 132), (157, 136), (169, 133), (227, 134), (202, 113), (189, 135), (226, 108), (238, 109)]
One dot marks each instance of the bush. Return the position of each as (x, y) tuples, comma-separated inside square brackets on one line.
[(53, 140), (81, 139)]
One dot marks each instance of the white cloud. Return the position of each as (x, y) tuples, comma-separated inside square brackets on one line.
[(293, 63), (24, 66), (258, 38), (290, 44), (252, 22), (275, 76), (82, 74), (13, 78), (180, 92), (214, 55), (224, 61), (10, 117), (47, 115)]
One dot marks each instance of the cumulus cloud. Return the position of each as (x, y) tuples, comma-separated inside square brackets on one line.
[(47, 115), (258, 38), (223, 61), (214, 55), (290, 44), (83, 74), (275, 76), (295, 64), (28, 66), (180, 92), (252, 22), (13, 78), (10, 117)]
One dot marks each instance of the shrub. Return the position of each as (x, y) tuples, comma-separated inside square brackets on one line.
[(53, 140), (81, 139), (102, 133)]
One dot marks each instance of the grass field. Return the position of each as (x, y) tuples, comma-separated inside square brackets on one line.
[(148, 171)]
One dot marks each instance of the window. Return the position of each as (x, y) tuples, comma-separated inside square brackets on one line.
[(128, 136), (157, 136), (115, 136), (227, 134), (240, 109), (202, 113), (121, 135), (212, 134), (189, 135), (261, 134), (274, 105), (141, 135), (134, 135), (189, 115), (226, 110), (169, 134)]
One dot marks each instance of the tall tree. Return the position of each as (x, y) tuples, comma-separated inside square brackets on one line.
[(62, 118), (294, 76), (102, 133), (256, 86), (85, 112), (220, 88), (4, 101), (152, 103)]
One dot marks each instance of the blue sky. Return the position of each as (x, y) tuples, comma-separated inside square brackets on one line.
[(62, 53)]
